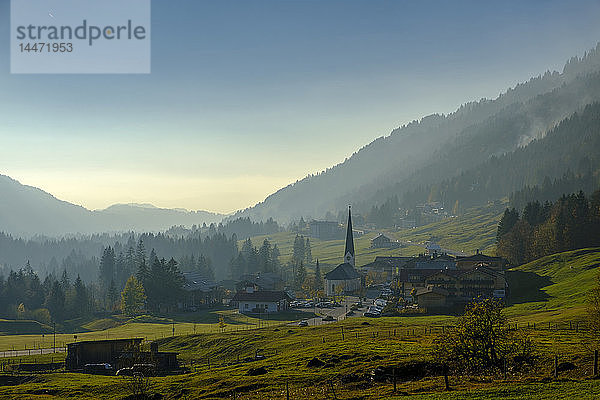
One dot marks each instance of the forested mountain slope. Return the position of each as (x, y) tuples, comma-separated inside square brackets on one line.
[(439, 147)]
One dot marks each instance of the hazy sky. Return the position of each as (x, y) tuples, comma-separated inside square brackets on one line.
[(246, 97)]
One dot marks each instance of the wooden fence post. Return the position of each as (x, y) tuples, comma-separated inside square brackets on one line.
[(595, 362), (287, 390), (332, 390), (446, 382), (394, 378), (555, 366)]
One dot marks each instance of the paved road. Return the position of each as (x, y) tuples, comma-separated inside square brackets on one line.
[(30, 352)]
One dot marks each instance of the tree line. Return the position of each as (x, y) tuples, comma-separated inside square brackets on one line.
[(541, 229)]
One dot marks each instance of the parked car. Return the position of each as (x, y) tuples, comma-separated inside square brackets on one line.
[(328, 318), (102, 368), (371, 314), (380, 302), (303, 323), (142, 369)]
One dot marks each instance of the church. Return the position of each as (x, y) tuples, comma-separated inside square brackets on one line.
[(344, 279)]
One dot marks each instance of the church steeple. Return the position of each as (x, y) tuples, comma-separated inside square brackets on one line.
[(349, 250)]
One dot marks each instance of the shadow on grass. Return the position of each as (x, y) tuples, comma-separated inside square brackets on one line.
[(212, 316), (526, 287), (284, 316)]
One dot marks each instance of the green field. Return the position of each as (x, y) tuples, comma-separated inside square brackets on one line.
[(214, 371), (554, 287)]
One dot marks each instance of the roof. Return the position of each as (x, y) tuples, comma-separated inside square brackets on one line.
[(262, 295), (349, 238), (84, 342), (342, 272), (332, 223), (483, 269), (478, 257), (194, 281), (393, 261), (265, 280), (431, 289), (381, 236)]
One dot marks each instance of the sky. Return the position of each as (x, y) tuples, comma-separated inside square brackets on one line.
[(247, 97)]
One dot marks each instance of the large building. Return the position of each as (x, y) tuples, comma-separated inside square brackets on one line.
[(118, 353), (325, 230), (252, 301), (344, 278), (200, 292)]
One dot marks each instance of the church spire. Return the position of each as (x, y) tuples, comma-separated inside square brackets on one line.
[(349, 250)]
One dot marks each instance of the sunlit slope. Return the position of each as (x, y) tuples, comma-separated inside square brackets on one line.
[(553, 287), (475, 229)]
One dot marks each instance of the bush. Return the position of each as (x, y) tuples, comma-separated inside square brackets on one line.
[(481, 340)]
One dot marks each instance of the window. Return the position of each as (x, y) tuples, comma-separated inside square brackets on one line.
[(246, 306)]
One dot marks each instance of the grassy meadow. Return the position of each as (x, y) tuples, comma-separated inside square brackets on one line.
[(223, 366)]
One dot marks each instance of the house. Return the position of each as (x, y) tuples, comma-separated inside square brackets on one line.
[(325, 230), (344, 278), (408, 280), (262, 281), (470, 262), (250, 300), (424, 261), (432, 297), (481, 282), (381, 241), (200, 291), (432, 248), (460, 286), (396, 262), (119, 353)]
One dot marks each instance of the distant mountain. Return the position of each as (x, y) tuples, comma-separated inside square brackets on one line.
[(28, 211), (417, 157), (146, 217)]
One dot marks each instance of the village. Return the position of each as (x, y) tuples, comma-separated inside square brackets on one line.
[(433, 282)]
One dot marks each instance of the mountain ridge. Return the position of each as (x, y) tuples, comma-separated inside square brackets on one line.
[(27, 210)]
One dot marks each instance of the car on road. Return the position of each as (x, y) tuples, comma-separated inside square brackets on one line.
[(303, 323)]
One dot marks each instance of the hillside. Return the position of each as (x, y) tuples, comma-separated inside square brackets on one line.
[(28, 211), (475, 229), (424, 153), (553, 287)]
